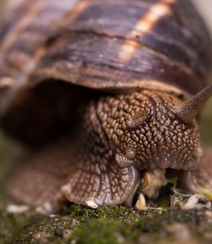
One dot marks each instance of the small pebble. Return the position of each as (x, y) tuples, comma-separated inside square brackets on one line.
[(191, 202), (179, 230), (12, 208), (58, 232)]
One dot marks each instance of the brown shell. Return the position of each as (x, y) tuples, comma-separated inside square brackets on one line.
[(50, 39)]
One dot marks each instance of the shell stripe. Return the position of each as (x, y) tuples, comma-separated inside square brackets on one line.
[(21, 25), (32, 31), (18, 64), (145, 24), (80, 64)]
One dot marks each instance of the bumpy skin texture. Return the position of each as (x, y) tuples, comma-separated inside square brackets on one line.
[(147, 132), (101, 161)]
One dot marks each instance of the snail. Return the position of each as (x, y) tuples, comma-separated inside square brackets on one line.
[(108, 93)]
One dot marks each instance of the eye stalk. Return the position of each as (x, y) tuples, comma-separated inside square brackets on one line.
[(188, 109)]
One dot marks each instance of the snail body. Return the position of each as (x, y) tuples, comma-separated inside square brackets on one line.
[(109, 91)]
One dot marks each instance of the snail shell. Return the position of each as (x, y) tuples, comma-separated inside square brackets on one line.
[(111, 88)]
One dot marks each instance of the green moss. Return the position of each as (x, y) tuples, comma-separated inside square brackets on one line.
[(102, 231), (119, 213), (120, 224)]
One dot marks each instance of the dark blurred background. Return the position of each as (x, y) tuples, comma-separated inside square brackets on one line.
[(205, 9)]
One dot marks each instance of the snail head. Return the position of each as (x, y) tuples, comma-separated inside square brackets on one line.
[(154, 129)]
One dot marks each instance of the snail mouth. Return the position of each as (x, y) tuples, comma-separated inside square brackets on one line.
[(170, 162), (180, 165)]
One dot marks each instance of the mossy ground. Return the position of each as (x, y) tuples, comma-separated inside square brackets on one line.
[(163, 223), (77, 224)]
